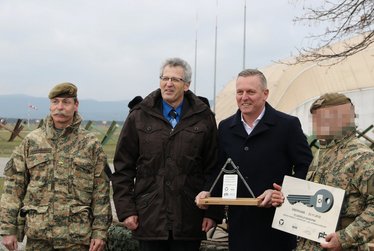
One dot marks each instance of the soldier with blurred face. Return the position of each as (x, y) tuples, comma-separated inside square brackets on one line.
[(345, 162), (55, 184)]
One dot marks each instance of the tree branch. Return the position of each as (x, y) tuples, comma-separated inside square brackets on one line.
[(344, 19)]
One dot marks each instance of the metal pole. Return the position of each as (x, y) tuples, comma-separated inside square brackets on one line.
[(215, 62), (245, 31), (195, 68)]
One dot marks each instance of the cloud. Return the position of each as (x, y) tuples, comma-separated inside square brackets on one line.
[(113, 49)]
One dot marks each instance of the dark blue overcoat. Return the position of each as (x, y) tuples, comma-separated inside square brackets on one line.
[(276, 147)]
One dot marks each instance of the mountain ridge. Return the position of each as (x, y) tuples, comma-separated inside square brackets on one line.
[(29, 107)]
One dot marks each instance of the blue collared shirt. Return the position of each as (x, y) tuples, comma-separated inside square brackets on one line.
[(166, 108)]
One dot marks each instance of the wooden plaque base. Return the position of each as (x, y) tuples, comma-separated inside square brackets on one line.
[(232, 202)]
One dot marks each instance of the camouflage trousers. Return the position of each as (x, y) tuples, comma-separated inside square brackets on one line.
[(308, 245), (43, 245)]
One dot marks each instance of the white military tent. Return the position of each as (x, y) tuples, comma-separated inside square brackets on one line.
[(294, 87)]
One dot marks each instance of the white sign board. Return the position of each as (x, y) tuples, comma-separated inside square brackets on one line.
[(310, 210), (230, 186)]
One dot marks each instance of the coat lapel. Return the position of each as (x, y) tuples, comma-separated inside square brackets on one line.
[(266, 122), (189, 111), (237, 127)]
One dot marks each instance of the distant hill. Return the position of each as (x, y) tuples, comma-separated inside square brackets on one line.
[(28, 107)]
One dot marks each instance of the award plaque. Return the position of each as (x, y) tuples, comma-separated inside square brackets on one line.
[(229, 189), (310, 210)]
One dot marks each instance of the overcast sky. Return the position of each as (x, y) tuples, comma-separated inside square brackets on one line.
[(113, 49)]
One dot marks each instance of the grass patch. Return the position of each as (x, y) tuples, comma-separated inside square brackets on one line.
[(6, 148)]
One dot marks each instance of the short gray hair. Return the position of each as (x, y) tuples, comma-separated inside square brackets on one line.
[(254, 72), (175, 62)]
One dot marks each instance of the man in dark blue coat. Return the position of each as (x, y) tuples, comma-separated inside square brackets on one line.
[(266, 145)]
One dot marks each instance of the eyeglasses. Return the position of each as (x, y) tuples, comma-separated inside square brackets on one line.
[(172, 79)]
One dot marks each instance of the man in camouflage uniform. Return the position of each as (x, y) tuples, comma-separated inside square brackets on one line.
[(55, 184), (343, 161)]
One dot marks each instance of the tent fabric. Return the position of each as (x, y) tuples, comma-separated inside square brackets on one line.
[(293, 87)]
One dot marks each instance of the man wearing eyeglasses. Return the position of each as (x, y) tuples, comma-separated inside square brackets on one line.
[(167, 146)]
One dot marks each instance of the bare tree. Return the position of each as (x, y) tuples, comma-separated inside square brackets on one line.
[(343, 19)]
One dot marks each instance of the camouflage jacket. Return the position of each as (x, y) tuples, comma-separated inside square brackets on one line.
[(56, 180), (347, 164)]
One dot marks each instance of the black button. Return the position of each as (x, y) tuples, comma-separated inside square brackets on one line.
[(246, 148)]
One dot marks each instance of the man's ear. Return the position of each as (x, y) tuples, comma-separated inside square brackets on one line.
[(76, 105)]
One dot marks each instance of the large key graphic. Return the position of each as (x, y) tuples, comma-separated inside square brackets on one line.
[(322, 200)]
